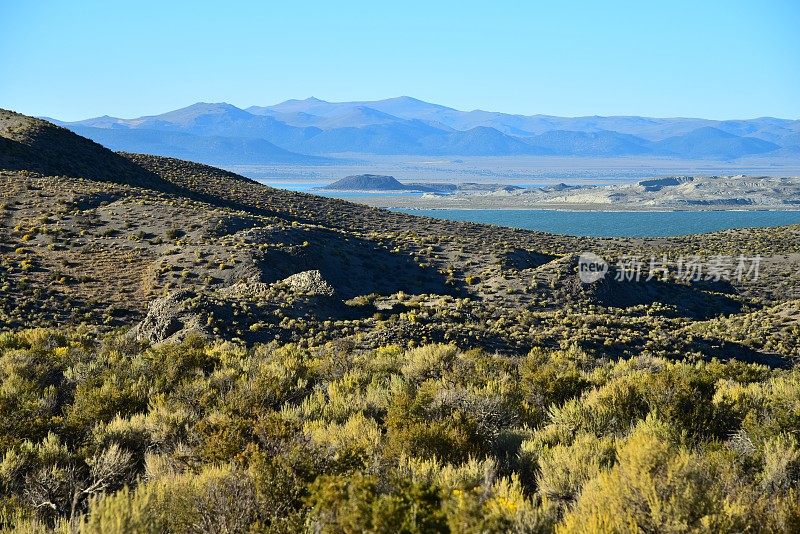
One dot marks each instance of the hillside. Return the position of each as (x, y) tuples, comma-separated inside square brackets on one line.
[(34, 145), (406, 126), (185, 350), (134, 227)]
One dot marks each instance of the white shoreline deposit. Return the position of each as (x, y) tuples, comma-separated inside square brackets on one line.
[(657, 194)]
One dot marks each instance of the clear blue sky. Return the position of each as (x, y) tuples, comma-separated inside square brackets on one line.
[(713, 59)]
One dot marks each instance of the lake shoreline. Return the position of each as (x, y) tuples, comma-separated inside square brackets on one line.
[(375, 202)]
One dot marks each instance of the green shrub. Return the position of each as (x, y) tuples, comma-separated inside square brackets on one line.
[(110, 435)]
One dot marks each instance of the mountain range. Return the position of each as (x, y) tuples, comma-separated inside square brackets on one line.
[(311, 131)]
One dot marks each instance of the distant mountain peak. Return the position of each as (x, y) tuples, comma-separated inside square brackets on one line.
[(211, 107), (710, 131), (405, 99), (364, 112)]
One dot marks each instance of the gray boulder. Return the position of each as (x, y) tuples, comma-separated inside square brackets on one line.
[(309, 283), (170, 318)]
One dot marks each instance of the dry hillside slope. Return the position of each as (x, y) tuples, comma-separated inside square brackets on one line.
[(113, 240)]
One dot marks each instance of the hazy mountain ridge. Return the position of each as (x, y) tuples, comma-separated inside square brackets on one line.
[(407, 126), (205, 149)]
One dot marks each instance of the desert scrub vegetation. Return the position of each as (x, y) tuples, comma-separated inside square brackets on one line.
[(112, 435)]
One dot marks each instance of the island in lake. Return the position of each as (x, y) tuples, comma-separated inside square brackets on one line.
[(377, 183)]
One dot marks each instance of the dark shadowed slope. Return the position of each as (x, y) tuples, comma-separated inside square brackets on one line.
[(33, 144)]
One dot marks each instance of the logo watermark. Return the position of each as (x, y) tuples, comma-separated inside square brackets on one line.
[(629, 268), (591, 267)]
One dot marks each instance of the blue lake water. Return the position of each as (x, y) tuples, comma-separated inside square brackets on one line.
[(582, 223), (314, 189), (362, 194), (617, 223)]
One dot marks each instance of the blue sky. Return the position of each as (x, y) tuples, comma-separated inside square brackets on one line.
[(713, 59)]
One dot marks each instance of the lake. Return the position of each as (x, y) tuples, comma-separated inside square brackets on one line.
[(617, 223), (314, 189), (580, 223)]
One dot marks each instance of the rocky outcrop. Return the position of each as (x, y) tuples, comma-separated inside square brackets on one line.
[(250, 289), (175, 316), (170, 318), (309, 283)]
